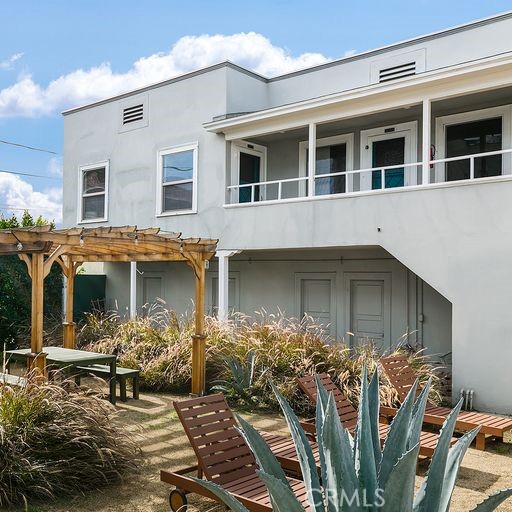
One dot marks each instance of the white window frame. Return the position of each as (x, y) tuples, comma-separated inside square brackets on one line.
[(243, 146), (81, 172), (345, 138), (192, 146), (442, 122)]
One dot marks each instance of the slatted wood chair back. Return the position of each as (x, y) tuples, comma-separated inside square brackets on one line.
[(346, 411), (222, 453), (400, 374)]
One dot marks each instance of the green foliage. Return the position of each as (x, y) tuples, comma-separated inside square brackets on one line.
[(15, 288), (56, 443), (240, 384), (356, 474), (244, 354)]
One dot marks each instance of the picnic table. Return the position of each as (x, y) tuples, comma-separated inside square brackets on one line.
[(68, 359)]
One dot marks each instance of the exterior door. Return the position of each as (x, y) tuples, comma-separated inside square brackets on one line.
[(151, 289), (368, 308), (249, 161), (389, 147), (317, 303)]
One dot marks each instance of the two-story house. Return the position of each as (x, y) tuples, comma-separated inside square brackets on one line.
[(373, 193)]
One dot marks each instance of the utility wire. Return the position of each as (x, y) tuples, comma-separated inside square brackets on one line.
[(28, 147), (31, 175), (16, 208)]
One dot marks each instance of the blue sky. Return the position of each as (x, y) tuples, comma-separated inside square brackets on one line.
[(58, 54)]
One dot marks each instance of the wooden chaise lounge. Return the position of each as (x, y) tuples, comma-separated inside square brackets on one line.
[(402, 378), (223, 457), (348, 413)]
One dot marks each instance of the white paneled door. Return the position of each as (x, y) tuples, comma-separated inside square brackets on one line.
[(317, 303), (369, 310)]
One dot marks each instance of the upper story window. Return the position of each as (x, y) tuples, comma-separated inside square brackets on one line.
[(177, 180), (93, 192)]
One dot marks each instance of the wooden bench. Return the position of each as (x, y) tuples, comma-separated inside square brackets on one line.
[(12, 380), (122, 375)]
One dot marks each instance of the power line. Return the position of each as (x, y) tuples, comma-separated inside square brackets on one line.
[(28, 147), (31, 175), (16, 208)]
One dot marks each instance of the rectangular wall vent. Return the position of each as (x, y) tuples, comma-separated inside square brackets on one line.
[(395, 72), (132, 114)]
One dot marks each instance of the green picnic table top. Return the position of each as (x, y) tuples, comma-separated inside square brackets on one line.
[(64, 356), (71, 358)]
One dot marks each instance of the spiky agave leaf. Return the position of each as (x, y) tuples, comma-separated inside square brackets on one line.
[(494, 501), (396, 441), (364, 454), (282, 497), (418, 413), (453, 462), (339, 477), (232, 503), (432, 490), (304, 452), (265, 458), (399, 492), (374, 405)]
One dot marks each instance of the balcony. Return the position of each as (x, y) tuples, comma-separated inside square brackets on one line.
[(490, 165), (448, 142)]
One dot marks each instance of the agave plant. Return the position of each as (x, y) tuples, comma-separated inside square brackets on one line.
[(242, 377), (357, 474)]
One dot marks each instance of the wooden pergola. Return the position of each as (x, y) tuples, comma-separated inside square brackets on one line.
[(41, 246)]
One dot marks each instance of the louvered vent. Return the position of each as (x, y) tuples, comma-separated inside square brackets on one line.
[(401, 71), (132, 114)]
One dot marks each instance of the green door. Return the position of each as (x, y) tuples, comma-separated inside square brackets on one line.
[(385, 153)]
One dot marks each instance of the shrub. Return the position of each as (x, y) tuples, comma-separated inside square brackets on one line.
[(56, 443), (160, 344)]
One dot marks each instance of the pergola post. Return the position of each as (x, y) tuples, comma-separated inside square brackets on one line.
[(69, 268), (199, 338), (37, 359)]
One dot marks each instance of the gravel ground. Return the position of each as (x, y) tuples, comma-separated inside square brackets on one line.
[(165, 446)]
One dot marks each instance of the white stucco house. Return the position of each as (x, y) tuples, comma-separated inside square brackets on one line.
[(373, 193)]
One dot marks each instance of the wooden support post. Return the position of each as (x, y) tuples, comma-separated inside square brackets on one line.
[(68, 326), (37, 359), (199, 338)]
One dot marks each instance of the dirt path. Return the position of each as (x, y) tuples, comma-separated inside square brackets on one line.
[(165, 447)]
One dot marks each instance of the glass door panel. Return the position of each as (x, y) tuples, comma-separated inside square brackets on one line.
[(385, 153), (250, 172), (472, 138)]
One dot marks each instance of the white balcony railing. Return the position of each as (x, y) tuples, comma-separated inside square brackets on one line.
[(493, 164)]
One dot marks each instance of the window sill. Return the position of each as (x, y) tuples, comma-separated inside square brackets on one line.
[(92, 221), (177, 212)]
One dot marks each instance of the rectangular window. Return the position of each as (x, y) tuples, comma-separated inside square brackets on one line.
[(333, 156), (472, 138), (178, 171), (94, 186)]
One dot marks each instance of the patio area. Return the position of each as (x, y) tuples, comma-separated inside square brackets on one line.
[(164, 445)]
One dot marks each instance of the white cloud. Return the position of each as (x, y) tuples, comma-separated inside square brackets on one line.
[(17, 195), (8, 63), (55, 166), (251, 50)]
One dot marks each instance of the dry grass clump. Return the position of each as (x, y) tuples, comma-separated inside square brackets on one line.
[(159, 345), (56, 443)]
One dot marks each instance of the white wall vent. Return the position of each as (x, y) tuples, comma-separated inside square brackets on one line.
[(400, 71), (398, 65), (133, 114)]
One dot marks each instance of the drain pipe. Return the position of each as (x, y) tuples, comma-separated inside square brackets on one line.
[(467, 395)]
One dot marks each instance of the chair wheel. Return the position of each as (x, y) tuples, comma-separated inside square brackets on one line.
[(178, 500)]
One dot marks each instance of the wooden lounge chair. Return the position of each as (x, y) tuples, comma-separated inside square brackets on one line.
[(224, 457), (402, 377), (348, 413)]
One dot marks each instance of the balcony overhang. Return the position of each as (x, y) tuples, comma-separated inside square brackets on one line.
[(475, 76)]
